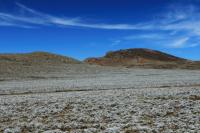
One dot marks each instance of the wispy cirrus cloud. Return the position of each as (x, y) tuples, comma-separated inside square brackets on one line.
[(153, 36), (180, 24), (37, 18), (179, 43), (165, 39), (116, 42), (178, 27), (176, 19)]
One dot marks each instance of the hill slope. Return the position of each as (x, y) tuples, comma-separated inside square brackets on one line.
[(37, 57), (145, 58), (36, 63)]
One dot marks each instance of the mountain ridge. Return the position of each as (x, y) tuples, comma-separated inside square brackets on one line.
[(38, 56), (48, 62), (142, 58), (35, 64)]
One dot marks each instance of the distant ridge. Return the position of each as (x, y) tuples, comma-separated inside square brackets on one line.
[(143, 53), (35, 64), (38, 64), (143, 58), (37, 57)]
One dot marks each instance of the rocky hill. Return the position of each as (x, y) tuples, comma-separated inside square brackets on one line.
[(143, 58), (36, 63), (36, 58)]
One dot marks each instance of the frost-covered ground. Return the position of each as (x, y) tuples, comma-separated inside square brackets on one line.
[(107, 79), (124, 101)]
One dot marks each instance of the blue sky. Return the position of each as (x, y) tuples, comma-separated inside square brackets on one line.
[(89, 28)]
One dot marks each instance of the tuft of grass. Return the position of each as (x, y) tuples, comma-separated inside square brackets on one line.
[(147, 119), (194, 97), (132, 131)]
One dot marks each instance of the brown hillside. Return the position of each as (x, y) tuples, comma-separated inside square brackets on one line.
[(36, 58), (139, 57), (20, 65), (142, 53)]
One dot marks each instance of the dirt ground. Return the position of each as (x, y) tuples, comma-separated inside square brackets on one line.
[(102, 100)]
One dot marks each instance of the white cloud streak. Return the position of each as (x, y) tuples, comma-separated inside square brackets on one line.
[(178, 28), (152, 36), (180, 43), (116, 42), (38, 18), (177, 19)]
